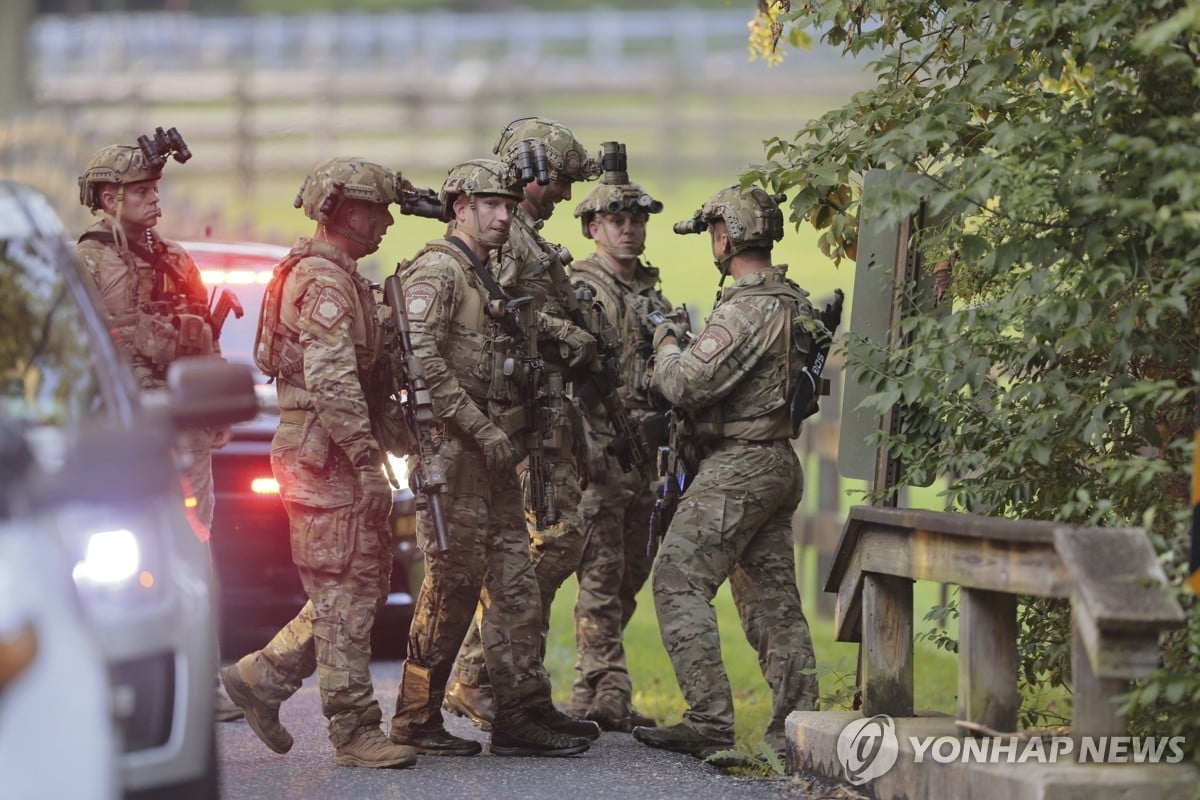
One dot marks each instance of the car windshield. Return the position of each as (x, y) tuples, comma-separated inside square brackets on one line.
[(48, 366)]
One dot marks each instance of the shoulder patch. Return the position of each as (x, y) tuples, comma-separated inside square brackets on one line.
[(418, 300), (331, 305), (712, 341)]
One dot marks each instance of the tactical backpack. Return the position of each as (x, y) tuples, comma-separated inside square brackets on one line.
[(277, 350)]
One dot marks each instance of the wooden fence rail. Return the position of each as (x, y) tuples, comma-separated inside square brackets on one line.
[(1110, 575)]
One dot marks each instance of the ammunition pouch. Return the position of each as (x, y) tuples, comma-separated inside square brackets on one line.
[(162, 338), (469, 475), (195, 335), (315, 444)]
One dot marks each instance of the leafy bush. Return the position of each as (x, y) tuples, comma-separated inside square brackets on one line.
[(1055, 147)]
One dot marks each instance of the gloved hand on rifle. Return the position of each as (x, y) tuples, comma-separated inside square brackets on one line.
[(376, 500), (670, 328), (497, 447), (582, 346)]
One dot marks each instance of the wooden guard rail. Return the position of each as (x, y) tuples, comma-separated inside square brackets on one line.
[(1111, 575)]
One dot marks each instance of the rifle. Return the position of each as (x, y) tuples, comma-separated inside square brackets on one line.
[(522, 324), (803, 402), (677, 477), (656, 318), (224, 301), (429, 476), (628, 446)]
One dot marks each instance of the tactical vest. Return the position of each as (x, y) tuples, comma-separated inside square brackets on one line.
[(630, 310), (757, 408), (164, 317), (477, 348), (277, 349)]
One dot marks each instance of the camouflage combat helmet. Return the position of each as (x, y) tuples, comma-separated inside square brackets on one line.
[(119, 164), (341, 179), (567, 157), (615, 192), (751, 216), (607, 198), (123, 164), (480, 176)]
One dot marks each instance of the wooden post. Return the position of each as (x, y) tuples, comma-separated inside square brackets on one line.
[(987, 658), (1092, 697), (887, 645)]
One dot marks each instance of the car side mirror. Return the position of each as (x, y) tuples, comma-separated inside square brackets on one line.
[(205, 391)]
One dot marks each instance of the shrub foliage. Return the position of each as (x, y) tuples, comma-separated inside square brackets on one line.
[(1056, 146)]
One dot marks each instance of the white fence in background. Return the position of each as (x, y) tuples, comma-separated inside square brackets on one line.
[(263, 98)]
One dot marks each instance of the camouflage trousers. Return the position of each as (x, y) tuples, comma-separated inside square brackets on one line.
[(615, 516), (488, 565), (555, 553), (734, 522), (345, 565), (194, 448)]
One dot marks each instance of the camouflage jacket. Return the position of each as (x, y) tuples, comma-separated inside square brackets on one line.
[(462, 350), (126, 284), (736, 377), (332, 311), (625, 308), (525, 271)]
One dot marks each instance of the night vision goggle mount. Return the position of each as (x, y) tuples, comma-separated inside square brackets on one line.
[(422, 202), (699, 221), (532, 162), (693, 225), (165, 143), (615, 166)]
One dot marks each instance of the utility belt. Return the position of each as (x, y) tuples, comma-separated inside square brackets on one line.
[(718, 445)]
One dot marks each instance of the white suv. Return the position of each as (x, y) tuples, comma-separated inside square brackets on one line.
[(106, 489)]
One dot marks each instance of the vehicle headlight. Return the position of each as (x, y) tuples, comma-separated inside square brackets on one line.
[(113, 554), (399, 469), (110, 558)]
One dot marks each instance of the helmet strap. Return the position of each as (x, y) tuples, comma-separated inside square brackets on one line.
[(114, 221), (349, 235), (489, 241)]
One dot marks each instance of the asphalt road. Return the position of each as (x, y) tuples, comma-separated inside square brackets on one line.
[(615, 767)]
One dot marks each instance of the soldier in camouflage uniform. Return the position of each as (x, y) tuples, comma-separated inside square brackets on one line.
[(614, 512), (474, 364), (318, 334), (527, 268), (734, 520), (147, 283)]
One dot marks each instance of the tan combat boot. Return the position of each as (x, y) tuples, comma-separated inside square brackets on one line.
[(224, 709), (370, 748), (262, 717), (476, 703)]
